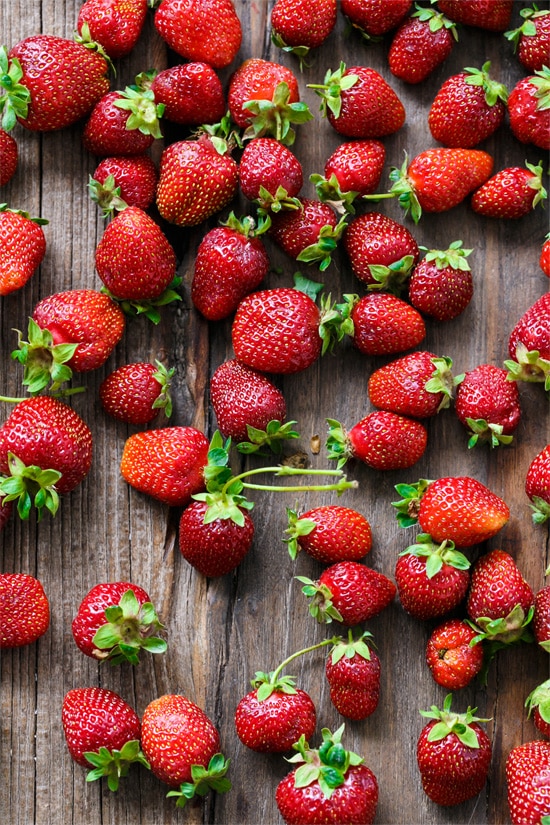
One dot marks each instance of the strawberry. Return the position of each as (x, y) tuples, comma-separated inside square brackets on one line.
[(9, 157), (541, 618), (537, 485), (190, 93), (538, 704), (431, 579), (215, 535), (114, 621), (359, 103), (330, 784), (452, 655), (529, 344), (166, 463), (417, 385), (488, 405), (453, 508), (6, 510), (544, 260), (24, 610), (300, 25), (353, 673), (124, 181), (49, 82), (382, 324), (115, 24), (511, 193), (135, 393), (491, 15), (309, 233), (374, 18), (231, 261), (270, 174), (329, 533), (101, 730), (182, 746), (381, 251), (468, 108), (529, 109), (441, 284), (122, 123), (208, 30), (453, 754), (528, 791), (348, 592), (45, 451), (422, 42), (382, 440), (354, 169), (22, 245), (531, 40)]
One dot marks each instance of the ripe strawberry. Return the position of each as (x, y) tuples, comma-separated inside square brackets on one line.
[(510, 193), (354, 169), (453, 508), (9, 157), (215, 534), (538, 704), (541, 618), (544, 260), (231, 261), (309, 233), (208, 30), (53, 82), (453, 754), (135, 393), (529, 109), (441, 284), (537, 485), (330, 784), (191, 94), (452, 655), (115, 24), (422, 42), (375, 17), (492, 15), (382, 324), (488, 405), (183, 747), (122, 123), (531, 40), (329, 533), (114, 621), (382, 440), (468, 108), (353, 673), (124, 181), (101, 730), (45, 451), (529, 344), (22, 248), (166, 463), (359, 103), (270, 174), (300, 25), (348, 592), (24, 610), (417, 385), (381, 251), (528, 791)]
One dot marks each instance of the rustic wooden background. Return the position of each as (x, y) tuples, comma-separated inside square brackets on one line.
[(221, 631)]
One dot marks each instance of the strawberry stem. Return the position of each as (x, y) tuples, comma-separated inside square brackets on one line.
[(283, 470), (274, 675)]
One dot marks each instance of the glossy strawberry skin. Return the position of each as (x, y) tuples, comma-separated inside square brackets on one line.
[(24, 610), (485, 393), (358, 592), (217, 547), (369, 109), (443, 293), (384, 324), (497, 586), (541, 617), (22, 250), (492, 15), (544, 260), (9, 157), (208, 31), (400, 386), (192, 94), (135, 175), (533, 329), (375, 17), (115, 24), (354, 685), (267, 162), (452, 659), (257, 79), (533, 48), (106, 133), (274, 724), (95, 717), (529, 122), (442, 178), (416, 51), (376, 239), (130, 392), (429, 598), (460, 115), (537, 479), (507, 194), (303, 22), (528, 791), (296, 229), (357, 165), (386, 441), (339, 534)]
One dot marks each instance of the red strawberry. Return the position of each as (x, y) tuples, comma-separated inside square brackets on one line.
[(348, 592), (531, 40), (353, 673), (468, 108), (135, 393), (528, 790), (270, 174), (417, 385), (537, 485), (382, 440), (329, 533), (441, 284), (22, 248), (114, 621), (510, 193), (122, 123), (9, 156), (538, 704), (375, 17), (354, 169), (24, 610), (492, 15), (309, 233), (53, 82), (529, 109), (182, 746), (359, 103), (45, 451), (300, 25), (431, 579), (330, 784), (231, 261), (215, 535), (541, 617), (208, 30), (101, 731), (544, 260), (124, 181), (488, 405), (166, 463), (191, 94), (383, 324), (454, 508), (452, 655), (115, 24), (381, 251), (421, 43), (453, 754), (529, 344)]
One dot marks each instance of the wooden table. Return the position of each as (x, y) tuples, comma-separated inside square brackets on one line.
[(221, 631)]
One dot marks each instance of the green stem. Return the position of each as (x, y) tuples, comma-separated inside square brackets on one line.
[(343, 484), (334, 640), (282, 470), (56, 394)]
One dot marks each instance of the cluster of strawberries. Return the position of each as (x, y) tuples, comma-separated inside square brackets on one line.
[(46, 448)]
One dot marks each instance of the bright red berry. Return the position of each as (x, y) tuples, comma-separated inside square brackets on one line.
[(24, 610)]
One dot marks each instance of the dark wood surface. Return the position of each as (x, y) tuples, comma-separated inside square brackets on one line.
[(221, 631)]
